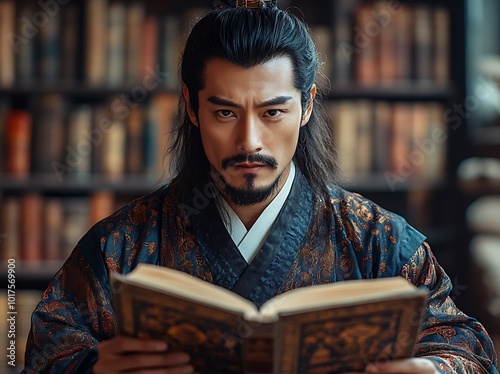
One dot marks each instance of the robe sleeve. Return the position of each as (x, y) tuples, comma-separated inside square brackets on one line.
[(73, 316), (455, 342)]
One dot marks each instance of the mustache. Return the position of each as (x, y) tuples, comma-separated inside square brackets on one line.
[(258, 158)]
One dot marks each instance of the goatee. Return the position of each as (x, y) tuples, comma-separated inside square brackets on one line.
[(247, 194)]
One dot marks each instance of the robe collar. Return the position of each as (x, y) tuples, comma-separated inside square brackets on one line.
[(250, 241), (260, 280)]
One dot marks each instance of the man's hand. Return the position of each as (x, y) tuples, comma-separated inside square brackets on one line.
[(131, 355), (406, 366)]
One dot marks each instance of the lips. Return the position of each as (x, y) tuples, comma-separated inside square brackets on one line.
[(249, 167), (252, 165), (251, 161)]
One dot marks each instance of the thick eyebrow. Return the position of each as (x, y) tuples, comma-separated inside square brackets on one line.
[(278, 100)]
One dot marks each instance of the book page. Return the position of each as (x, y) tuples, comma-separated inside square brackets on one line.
[(338, 294), (188, 287)]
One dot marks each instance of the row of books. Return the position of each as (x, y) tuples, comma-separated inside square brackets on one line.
[(98, 42), (408, 139), (26, 301), (36, 227), (399, 140), (373, 137), (78, 140), (117, 43), (383, 42)]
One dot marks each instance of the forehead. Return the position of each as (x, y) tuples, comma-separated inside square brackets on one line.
[(270, 78)]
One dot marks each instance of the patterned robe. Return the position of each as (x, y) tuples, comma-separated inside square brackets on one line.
[(307, 245)]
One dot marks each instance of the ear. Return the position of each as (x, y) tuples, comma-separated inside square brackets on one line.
[(310, 104), (189, 108)]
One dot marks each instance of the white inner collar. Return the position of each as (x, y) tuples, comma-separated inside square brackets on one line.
[(250, 241)]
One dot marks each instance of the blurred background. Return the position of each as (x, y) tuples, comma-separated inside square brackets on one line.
[(88, 95)]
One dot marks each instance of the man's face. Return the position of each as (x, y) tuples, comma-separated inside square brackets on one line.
[(249, 120)]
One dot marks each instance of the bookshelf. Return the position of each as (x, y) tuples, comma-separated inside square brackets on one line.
[(79, 70), (88, 92), (85, 91)]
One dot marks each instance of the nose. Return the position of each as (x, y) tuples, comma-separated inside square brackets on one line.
[(249, 139)]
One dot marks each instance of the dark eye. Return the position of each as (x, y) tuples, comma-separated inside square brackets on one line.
[(273, 112), (225, 113)]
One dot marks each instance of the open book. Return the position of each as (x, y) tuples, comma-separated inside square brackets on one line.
[(329, 328)]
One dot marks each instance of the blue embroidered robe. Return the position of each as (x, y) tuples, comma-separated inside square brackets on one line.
[(308, 245)]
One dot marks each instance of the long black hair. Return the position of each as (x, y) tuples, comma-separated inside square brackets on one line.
[(249, 37)]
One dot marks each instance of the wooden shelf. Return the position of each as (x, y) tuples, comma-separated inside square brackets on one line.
[(35, 273), (49, 183), (78, 90), (409, 91)]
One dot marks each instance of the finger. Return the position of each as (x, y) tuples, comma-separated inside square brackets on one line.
[(124, 344), (149, 361)]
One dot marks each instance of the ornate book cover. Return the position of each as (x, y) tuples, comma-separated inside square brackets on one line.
[(323, 329)]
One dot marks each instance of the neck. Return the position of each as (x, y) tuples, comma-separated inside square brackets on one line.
[(249, 214)]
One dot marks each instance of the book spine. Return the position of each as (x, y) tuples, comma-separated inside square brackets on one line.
[(388, 59), (25, 57), (423, 43), (435, 143), (114, 150), (149, 45), (11, 218), (164, 109), (18, 141), (365, 126), (400, 140), (4, 110), (345, 121), (134, 39), (70, 43), (150, 147), (344, 49), (78, 155), (102, 205), (7, 36), (31, 226), (101, 119), (116, 44), (403, 41), (367, 67), (50, 54), (53, 221), (418, 136), (170, 50), (441, 20), (381, 138), (48, 140), (96, 42), (134, 147), (76, 223)]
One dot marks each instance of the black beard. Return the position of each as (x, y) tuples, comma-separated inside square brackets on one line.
[(247, 194)]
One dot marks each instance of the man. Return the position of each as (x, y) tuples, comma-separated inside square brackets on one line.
[(253, 208)]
